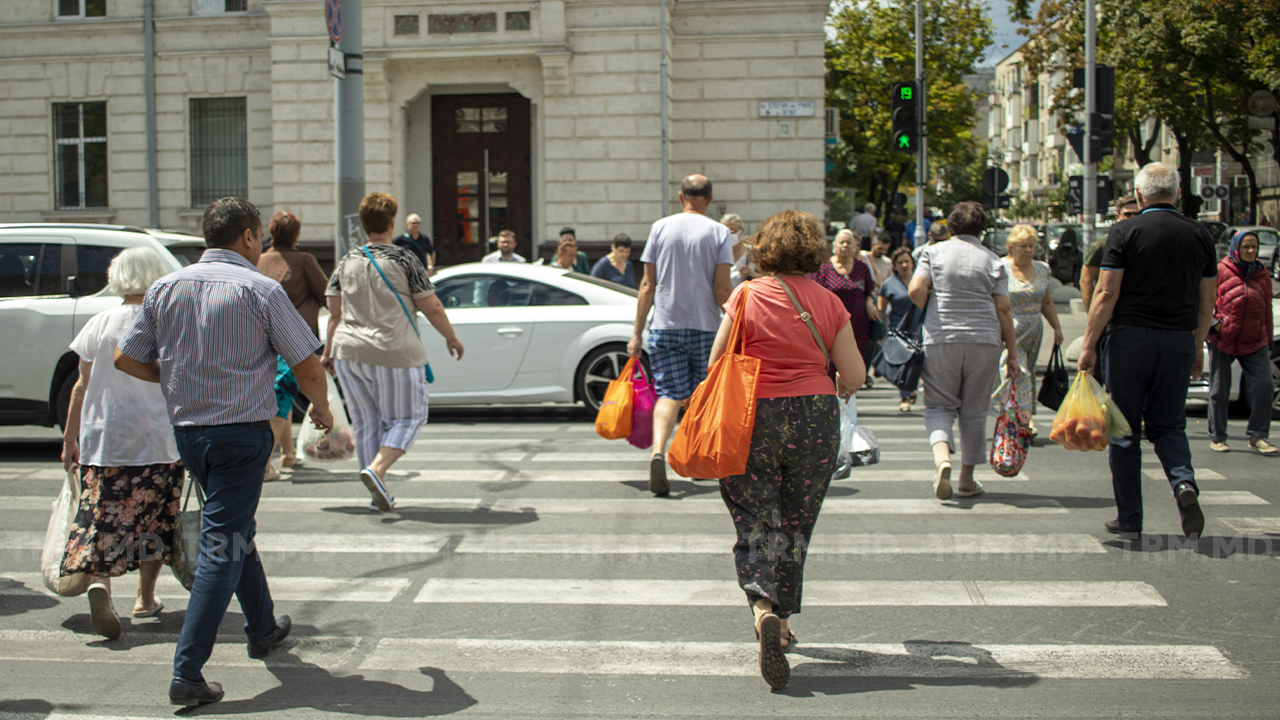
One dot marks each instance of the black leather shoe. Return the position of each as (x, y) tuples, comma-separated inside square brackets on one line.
[(190, 694), (1189, 508), (1118, 528), (260, 648)]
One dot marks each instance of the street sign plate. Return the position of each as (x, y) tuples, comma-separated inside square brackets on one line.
[(333, 18), (1206, 191), (787, 108), (995, 180), (1221, 191), (1262, 103), (337, 63)]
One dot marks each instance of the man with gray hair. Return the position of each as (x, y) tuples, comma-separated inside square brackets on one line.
[(1155, 296), (864, 225)]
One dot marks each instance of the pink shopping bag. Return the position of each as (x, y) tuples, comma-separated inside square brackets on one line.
[(643, 398)]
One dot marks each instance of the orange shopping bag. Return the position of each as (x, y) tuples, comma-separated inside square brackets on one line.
[(714, 438), (614, 419)]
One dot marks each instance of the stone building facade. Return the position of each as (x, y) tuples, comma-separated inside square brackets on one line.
[(564, 97)]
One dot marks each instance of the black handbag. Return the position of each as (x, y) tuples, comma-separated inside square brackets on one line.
[(1053, 389), (900, 359)]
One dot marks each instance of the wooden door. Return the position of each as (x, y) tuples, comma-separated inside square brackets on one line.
[(463, 128)]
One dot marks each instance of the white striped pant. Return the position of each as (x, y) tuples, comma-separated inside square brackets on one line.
[(388, 405)]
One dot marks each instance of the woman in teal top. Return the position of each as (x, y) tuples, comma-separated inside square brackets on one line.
[(568, 256)]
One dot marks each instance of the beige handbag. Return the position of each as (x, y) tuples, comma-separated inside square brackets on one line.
[(186, 536)]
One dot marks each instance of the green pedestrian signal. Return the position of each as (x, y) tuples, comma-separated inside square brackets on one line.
[(906, 117)]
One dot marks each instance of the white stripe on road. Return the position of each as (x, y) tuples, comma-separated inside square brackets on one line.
[(1201, 474), (811, 659), (1254, 525), (675, 544), (275, 543), (658, 658), (817, 593), (1230, 497), (283, 587)]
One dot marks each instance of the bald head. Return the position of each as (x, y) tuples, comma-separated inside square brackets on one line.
[(695, 193)]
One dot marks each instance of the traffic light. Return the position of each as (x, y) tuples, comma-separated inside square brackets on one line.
[(906, 116), (1101, 126)]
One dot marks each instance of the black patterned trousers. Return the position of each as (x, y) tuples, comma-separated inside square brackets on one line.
[(775, 503)]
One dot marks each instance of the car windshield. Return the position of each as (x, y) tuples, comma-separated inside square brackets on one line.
[(1268, 238), (602, 283)]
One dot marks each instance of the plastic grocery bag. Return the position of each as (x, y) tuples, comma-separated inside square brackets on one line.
[(613, 420), (1084, 421), (1012, 437), (848, 425), (55, 541), (338, 443), (643, 398)]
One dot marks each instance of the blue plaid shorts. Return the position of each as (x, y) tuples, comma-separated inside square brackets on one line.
[(679, 360)]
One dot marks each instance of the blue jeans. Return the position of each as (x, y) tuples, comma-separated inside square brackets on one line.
[(1255, 370), (228, 461), (1148, 371)]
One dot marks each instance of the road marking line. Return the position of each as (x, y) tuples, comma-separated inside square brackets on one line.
[(1201, 474), (1254, 525), (817, 593), (283, 587), (149, 649), (960, 545), (1230, 497), (273, 543)]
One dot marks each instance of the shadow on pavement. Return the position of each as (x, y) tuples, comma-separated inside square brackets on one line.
[(27, 708), (1023, 500), (19, 598), (445, 516), (1216, 547), (31, 450), (311, 686), (941, 664)]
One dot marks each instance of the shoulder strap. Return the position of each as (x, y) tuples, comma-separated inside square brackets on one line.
[(394, 293), (804, 315)]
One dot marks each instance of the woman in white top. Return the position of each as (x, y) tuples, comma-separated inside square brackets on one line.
[(118, 432), (373, 345), (742, 269)]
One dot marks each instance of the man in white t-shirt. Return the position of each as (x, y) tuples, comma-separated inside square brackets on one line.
[(686, 281), (864, 225), (878, 259), (506, 249)]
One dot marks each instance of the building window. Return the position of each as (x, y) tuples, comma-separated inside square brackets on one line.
[(219, 150), (80, 155), (462, 23), (406, 24), (518, 20), (474, 120), (217, 7), (82, 8)]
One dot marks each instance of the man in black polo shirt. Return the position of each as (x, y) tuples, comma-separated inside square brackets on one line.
[(1156, 291)]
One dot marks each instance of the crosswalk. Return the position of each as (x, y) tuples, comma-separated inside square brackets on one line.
[(495, 520)]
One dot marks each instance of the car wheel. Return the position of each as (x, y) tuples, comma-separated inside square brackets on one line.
[(601, 366), (64, 398)]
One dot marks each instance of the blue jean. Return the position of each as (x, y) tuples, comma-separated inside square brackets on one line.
[(228, 461), (1148, 371), (1255, 371)]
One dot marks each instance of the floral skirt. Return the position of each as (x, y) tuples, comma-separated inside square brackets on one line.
[(127, 515)]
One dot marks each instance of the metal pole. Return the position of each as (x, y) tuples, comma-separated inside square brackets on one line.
[(1089, 201), (922, 155), (149, 90), (349, 130), (486, 200), (662, 92)]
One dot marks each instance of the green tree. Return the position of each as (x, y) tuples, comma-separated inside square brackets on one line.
[(870, 46), (962, 180)]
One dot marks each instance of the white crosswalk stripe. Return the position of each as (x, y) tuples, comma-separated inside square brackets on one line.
[(283, 588)]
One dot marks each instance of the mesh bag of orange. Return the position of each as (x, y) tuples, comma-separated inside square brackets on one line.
[(1088, 418)]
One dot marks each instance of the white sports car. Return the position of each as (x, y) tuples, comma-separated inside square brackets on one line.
[(531, 333)]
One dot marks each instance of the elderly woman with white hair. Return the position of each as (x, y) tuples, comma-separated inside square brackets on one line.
[(118, 432), (741, 270)]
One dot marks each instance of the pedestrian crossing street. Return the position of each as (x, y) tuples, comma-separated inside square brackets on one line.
[(499, 520)]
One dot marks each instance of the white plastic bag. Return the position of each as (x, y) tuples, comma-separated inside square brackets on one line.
[(338, 443), (55, 541), (848, 424)]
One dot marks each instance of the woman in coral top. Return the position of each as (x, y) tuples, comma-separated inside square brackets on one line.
[(775, 503), (1242, 334)]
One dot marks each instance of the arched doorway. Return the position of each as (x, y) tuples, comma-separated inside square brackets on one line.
[(480, 174)]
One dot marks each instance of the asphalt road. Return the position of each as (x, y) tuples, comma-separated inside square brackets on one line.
[(528, 573)]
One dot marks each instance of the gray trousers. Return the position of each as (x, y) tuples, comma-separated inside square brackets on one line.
[(958, 379)]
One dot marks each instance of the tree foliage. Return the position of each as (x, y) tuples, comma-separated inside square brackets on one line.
[(870, 46)]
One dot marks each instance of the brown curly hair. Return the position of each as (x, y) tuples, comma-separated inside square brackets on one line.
[(790, 241), (378, 212)]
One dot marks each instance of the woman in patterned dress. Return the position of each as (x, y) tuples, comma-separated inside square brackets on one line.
[(775, 502), (850, 279), (130, 476), (1030, 297)]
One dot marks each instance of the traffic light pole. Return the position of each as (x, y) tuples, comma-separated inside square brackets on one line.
[(1089, 199), (922, 155)]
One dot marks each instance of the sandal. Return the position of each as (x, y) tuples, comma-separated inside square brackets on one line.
[(774, 667), (904, 406), (152, 611)]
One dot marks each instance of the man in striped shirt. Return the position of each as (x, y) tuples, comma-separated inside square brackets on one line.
[(210, 334)]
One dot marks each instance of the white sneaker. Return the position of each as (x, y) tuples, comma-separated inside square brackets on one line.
[(382, 499), (1262, 446), (105, 621), (1216, 446)]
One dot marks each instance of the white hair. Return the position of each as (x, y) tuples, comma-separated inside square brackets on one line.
[(730, 217), (869, 208), (413, 217), (133, 270), (846, 232), (1157, 182)]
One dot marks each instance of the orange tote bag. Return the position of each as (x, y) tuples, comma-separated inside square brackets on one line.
[(714, 438), (614, 419)]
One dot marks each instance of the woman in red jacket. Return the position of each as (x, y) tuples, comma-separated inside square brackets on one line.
[(1242, 332)]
